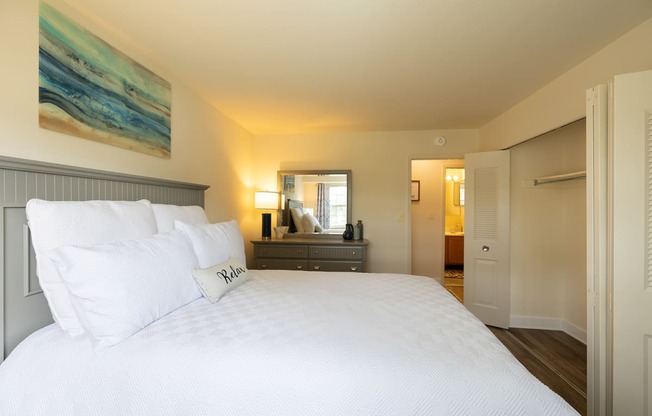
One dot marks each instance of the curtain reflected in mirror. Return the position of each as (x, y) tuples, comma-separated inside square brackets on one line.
[(323, 205)]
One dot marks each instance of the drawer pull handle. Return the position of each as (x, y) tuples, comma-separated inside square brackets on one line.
[(354, 253), (354, 269), (317, 267), (299, 267), (263, 266), (299, 251)]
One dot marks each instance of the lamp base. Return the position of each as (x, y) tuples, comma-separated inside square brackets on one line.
[(267, 226)]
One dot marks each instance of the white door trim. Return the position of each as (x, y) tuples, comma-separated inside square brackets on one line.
[(597, 253)]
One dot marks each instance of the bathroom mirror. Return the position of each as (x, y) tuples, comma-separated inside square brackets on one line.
[(312, 189), (458, 194)]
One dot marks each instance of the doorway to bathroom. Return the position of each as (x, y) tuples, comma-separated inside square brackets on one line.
[(454, 230), (436, 211)]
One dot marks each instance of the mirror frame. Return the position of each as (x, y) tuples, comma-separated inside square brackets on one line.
[(349, 193)]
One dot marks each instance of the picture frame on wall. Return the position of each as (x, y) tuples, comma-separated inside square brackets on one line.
[(415, 193)]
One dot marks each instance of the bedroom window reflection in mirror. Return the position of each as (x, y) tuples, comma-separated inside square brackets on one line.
[(315, 202)]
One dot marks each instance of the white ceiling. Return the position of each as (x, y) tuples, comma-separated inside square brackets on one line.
[(298, 66)]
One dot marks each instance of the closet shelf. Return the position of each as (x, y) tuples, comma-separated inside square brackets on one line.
[(559, 178)]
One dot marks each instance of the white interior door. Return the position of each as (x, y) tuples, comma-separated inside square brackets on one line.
[(486, 237), (631, 234)]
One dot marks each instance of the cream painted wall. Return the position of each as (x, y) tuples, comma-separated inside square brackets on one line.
[(207, 147), (563, 100), (427, 225), (548, 231), (380, 164)]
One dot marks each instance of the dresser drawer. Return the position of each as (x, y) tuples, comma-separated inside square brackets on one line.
[(336, 266), (281, 264), (340, 253), (326, 255), (282, 251)]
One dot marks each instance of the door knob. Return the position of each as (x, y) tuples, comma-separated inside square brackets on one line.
[(485, 248)]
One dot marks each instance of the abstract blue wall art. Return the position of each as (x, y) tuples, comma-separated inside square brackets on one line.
[(89, 89)]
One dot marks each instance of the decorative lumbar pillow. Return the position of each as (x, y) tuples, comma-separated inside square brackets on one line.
[(60, 223), (297, 218), (121, 287), (215, 243), (215, 281), (166, 215), (311, 224)]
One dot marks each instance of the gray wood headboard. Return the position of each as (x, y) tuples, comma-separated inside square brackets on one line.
[(23, 308)]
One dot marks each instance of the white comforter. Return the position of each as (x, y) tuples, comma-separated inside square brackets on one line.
[(286, 343)]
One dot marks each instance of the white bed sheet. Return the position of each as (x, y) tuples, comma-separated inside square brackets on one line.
[(286, 343)]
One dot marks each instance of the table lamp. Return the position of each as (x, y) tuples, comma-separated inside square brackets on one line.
[(266, 200)]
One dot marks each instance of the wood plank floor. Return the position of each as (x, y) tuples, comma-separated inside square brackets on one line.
[(554, 357), (455, 286)]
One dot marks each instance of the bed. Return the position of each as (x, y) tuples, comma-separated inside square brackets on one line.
[(160, 334), (293, 217)]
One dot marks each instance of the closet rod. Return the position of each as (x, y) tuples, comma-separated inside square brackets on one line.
[(559, 178)]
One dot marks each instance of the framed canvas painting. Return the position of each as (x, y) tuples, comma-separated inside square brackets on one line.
[(89, 89)]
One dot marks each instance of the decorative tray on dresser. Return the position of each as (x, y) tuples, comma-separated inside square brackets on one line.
[(311, 254)]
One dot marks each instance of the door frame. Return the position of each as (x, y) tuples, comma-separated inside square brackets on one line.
[(599, 286)]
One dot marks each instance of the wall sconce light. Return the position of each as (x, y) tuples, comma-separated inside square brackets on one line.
[(266, 200)]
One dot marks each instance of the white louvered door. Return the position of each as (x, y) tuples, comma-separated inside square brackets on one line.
[(631, 233), (486, 237)]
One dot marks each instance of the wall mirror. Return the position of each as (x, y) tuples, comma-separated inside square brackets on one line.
[(454, 188), (325, 194), (458, 194)]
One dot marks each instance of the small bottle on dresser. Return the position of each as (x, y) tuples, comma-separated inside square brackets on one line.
[(357, 231)]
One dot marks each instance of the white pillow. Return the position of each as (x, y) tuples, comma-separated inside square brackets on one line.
[(165, 216), (215, 281), (311, 224), (61, 223), (297, 217), (215, 243), (123, 286)]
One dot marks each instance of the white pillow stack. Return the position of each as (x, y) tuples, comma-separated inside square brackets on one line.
[(311, 224), (215, 243), (166, 215), (110, 268), (297, 218), (123, 286), (59, 223)]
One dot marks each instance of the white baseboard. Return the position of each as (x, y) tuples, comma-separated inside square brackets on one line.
[(555, 324)]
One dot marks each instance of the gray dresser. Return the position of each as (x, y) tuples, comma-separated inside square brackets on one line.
[(311, 254)]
